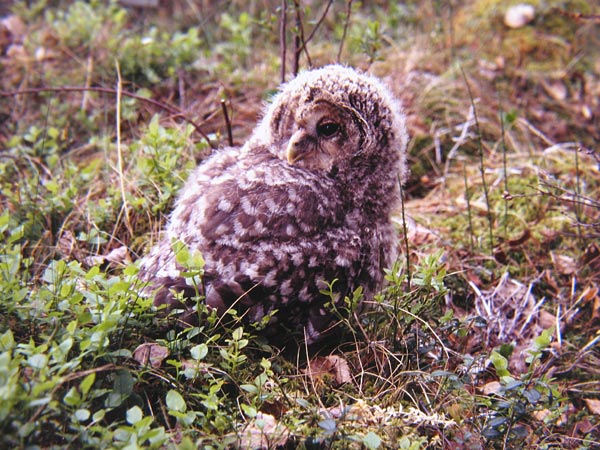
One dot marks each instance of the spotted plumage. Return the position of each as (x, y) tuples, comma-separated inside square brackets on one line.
[(306, 201)]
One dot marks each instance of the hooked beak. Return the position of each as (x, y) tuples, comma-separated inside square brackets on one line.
[(299, 146)]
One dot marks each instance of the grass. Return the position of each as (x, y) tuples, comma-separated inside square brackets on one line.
[(485, 335)]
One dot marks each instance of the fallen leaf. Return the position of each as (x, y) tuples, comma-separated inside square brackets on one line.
[(593, 405), (332, 365), (276, 408), (263, 432), (541, 414), (521, 239), (546, 320), (564, 264), (591, 256), (117, 256), (150, 353), (67, 245), (493, 387)]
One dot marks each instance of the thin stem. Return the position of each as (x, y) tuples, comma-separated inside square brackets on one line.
[(405, 231), (282, 40), (469, 214), (227, 123), (577, 204), (506, 194), (297, 39), (120, 151), (346, 23), (481, 164)]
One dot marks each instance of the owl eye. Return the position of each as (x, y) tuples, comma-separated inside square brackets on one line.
[(327, 129)]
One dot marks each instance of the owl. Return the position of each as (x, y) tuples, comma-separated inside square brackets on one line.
[(304, 206)]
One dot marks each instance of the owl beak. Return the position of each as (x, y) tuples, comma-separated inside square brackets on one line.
[(298, 147)]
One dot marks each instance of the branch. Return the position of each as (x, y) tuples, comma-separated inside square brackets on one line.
[(227, 123), (282, 43), (348, 12), (164, 106), (318, 24)]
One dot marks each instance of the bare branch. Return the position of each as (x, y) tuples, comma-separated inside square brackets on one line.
[(282, 41), (164, 106), (227, 123), (346, 23)]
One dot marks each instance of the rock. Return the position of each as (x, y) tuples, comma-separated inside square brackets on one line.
[(519, 15)]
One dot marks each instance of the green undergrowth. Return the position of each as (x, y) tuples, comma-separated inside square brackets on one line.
[(485, 334)]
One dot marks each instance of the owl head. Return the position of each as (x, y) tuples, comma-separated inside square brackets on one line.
[(333, 118)]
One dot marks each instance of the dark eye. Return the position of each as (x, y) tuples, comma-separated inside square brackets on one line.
[(327, 129)]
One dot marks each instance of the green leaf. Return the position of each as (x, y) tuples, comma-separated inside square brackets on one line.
[(182, 253), (371, 440), (237, 333), (175, 401), (7, 341), (38, 361), (134, 415), (532, 395), (250, 388), (87, 383), (500, 364), (199, 351), (249, 411), (72, 397), (81, 415), (122, 389), (329, 425)]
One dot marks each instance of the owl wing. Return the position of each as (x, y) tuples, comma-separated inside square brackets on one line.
[(272, 236)]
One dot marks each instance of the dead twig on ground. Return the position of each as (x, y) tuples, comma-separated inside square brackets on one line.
[(164, 106)]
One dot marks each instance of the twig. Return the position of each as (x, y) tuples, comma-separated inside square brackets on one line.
[(317, 25), (282, 40), (451, 29), (407, 258), (297, 39), (164, 106), (120, 151), (577, 205), (88, 80), (300, 41), (405, 230), (227, 123), (506, 194), (537, 132), (66, 379), (469, 214), (481, 165), (464, 133), (346, 23)]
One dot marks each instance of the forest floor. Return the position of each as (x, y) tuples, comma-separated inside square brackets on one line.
[(488, 334)]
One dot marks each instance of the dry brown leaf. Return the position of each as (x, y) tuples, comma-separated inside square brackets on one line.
[(119, 255), (150, 354), (541, 414), (493, 387), (546, 320), (263, 432), (525, 236), (332, 365), (593, 405), (564, 264), (67, 245), (591, 257)]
